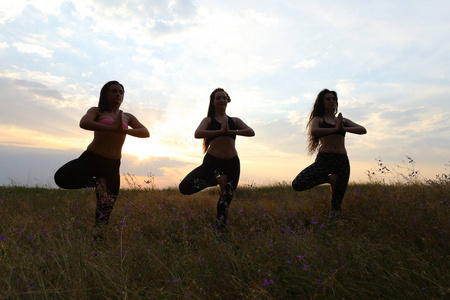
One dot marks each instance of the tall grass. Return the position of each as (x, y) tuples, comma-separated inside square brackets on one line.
[(391, 243)]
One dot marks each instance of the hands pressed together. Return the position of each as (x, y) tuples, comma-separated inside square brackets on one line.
[(339, 122), (118, 124), (224, 128)]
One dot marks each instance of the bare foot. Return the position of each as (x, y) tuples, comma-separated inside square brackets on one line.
[(333, 179), (222, 181)]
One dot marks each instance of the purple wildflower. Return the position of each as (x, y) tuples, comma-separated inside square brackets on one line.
[(319, 282), (267, 283)]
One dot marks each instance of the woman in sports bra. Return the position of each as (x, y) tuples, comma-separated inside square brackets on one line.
[(98, 166), (221, 164), (327, 134)]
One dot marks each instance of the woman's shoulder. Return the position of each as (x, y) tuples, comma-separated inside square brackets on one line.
[(317, 120), (235, 119), (207, 119), (205, 122), (127, 114), (93, 109), (92, 112)]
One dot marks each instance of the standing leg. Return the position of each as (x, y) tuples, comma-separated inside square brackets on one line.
[(107, 189), (107, 192), (229, 181), (223, 203), (342, 167), (105, 203)]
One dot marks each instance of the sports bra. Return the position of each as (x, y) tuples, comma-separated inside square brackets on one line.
[(110, 122), (215, 125), (328, 125)]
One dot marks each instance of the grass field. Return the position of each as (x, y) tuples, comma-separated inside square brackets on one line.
[(392, 242)]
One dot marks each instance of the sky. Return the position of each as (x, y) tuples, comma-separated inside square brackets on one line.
[(388, 61)]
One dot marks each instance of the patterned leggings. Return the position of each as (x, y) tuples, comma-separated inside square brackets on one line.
[(86, 171), (319, 172), (204, 176)]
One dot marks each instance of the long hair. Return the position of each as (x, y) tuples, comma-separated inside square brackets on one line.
[(212, 113), (103, 104), (318, 111)]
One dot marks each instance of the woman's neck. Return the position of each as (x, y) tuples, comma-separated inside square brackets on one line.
[(220, 113), (329, 114)]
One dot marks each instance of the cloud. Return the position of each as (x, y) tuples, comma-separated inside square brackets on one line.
[(306, 63), (388, 67), (33, 49), (279, 135), (184, 9), (32, 116), (345, 87), (15, 8), (143, 22)]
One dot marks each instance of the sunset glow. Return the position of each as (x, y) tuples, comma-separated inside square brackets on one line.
[(387, 66)]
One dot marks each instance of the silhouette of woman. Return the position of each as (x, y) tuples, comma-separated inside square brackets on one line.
[(221, 163), (327, 134)]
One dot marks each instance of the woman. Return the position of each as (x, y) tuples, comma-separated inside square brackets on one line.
[(327, 133), (98, 166), (221, 163)]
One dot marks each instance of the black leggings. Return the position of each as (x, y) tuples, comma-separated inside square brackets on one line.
[(205, 175), (319, 172), (86, 171)]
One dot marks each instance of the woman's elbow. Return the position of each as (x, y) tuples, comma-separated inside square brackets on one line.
[(82, 125), (143, 133), (314, 133)]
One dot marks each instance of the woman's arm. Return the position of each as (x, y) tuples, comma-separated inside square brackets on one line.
[(203, 132), (137, 128), (242, 129), (316, 131), (352, 127), (88, 122)]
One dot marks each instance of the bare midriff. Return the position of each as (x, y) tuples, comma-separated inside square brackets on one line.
[(222, 147), (333, 144), (108, 145)]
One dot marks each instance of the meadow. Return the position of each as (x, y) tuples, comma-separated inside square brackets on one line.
[(392, 242)]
